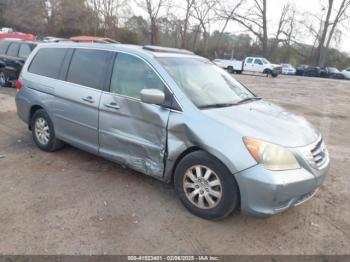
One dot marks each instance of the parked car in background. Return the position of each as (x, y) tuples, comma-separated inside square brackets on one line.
[(229, 65), (288, 69), (300, 70), (13, 54), (177, 117), (93, 39), (250, 64), (312, 71), (52, 39), (17, 35), (6, 30), (346, 73), (331, 72)]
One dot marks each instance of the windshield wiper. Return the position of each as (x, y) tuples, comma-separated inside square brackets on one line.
[(248, 99), (217, 105)]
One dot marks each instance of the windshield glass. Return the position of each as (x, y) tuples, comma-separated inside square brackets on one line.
[(265, 61), (204, 83)]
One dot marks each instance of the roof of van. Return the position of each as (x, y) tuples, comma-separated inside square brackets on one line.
[(156, 51)]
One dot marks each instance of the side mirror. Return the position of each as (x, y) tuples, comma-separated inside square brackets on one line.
[(152, 96)]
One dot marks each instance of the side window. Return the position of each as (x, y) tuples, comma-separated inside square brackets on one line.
[(258, 62), (24, 51), (13, 50), (88, 67), (47, 62), (131, 75), (249, 60), (3, 47)]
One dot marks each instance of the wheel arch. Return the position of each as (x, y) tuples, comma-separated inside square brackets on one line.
[(267, 71), (195, 149), (32, 111)]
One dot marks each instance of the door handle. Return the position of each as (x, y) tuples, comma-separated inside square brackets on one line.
[(112, 105), (88, 99)]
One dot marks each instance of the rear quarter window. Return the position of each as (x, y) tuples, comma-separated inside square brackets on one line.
[(47, 62), (88, 67)]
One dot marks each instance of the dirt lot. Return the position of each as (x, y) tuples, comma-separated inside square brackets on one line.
[(71, 202)]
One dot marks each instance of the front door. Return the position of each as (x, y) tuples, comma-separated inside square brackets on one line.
[(258, 65), (131, 132)]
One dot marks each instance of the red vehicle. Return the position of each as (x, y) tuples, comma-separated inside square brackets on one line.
[(17, 35)]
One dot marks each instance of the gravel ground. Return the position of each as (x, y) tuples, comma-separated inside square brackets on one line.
[(72, 202)]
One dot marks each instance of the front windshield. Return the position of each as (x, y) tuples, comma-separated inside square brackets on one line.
[(204, 83), (265, 61)]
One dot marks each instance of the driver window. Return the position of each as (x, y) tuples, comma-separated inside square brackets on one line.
[(131, 75), (258, 62)]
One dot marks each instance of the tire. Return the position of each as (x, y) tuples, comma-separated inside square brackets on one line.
[(230, 69), (268, 72), (274, 75), (223, 195), (3, 79), (43, 132)]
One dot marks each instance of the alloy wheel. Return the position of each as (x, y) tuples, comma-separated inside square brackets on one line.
[(42, 131), (202, 187)]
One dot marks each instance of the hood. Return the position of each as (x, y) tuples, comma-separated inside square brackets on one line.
[(266, 121), (274, 65)]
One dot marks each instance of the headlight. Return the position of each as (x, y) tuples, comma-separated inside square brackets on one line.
[(271, 156)]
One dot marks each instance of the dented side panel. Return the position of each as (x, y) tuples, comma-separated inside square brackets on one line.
[(133, 133), (192, 129)]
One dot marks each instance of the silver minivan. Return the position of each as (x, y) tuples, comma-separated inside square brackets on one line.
[(174, 116)]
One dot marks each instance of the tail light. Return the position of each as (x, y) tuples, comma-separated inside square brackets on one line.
[(19, 84)]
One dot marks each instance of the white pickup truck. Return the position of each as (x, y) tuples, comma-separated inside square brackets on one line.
[(250, 64)]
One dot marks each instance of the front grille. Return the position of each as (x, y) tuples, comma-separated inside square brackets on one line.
[(316, 154), (278, 69)]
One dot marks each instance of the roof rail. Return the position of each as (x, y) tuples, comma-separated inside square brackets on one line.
[(161, 49)]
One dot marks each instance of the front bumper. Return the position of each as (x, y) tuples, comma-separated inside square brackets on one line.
[(277, 70), (265, 192)]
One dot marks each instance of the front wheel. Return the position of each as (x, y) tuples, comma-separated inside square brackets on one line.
[(205, 186)]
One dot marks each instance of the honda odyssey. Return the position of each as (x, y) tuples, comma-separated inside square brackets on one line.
[(174, 116)]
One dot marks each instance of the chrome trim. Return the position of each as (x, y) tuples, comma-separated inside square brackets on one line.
[(316, 154)]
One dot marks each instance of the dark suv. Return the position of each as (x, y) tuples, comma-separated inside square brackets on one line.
[(13, 54)]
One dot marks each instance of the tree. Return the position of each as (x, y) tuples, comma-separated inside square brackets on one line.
[(202, 13), (185, 24), (254, 19), (226, 11), (108, 13), (138, 25), (153, 8), (329, 26)]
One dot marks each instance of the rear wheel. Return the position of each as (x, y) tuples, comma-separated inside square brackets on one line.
[(230, 69), (205, 186), (43, 132)]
